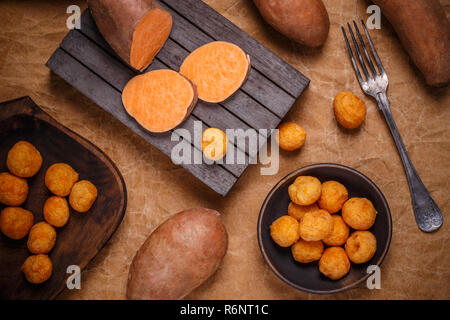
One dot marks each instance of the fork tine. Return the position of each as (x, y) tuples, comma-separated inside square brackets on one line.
[(363, 45), (352, 57), (361, 60), (374, 51)]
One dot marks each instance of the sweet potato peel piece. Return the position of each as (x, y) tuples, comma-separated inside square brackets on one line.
[(159, 100), (136, 30), (218, 69)]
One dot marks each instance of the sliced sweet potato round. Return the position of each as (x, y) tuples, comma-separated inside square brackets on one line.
[(218, 69), (159, 100)]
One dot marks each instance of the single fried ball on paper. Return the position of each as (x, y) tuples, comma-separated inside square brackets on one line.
[(42, 238), (316, 225), (334, 263), (214, 144), (56, 211), (339, 234), (60, 178), (297, 212), (307, 251), (15, 222), (349, 110), (284, 231), (361, 246), (359, 213), (24, 160), (305, 190), (83, 196), (291, 136), (13, 190), (333, 196), (37, 269)]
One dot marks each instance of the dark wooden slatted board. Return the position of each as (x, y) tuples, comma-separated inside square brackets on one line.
[(87, 62)]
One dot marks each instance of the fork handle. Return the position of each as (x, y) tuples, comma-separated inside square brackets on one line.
[(427, 213)]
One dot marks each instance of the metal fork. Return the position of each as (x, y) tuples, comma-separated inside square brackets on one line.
[(427, 213)]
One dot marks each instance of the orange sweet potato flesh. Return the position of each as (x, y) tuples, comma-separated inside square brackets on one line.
[(136, 30), (218, 69), (159, 100), (178, 256), (424, 32), (304, 21)]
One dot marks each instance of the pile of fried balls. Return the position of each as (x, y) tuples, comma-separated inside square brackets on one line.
[(24, 161), (313, 223)]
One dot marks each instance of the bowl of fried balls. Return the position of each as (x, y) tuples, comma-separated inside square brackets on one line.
[(322, 226), (19, 224)]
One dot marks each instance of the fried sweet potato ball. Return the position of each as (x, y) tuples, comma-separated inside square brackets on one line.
[(291, 136), (307, 251), (15, 223), (333, 196), (24, 160), (60, 178), (305, 190), (56, 211), (349, 110), (37, 269), (214, 144), (316, 225), (83, 196), (359, 213), (297, 212), (284, 231), (42, 238), (361, 246), (334, 263), (339, 234), (13, 190)]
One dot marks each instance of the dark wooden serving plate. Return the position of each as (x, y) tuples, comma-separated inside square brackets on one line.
[(89, 64), (306, 277), (85, 234)]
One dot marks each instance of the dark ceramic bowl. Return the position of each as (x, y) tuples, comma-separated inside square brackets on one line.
[(306, 277)]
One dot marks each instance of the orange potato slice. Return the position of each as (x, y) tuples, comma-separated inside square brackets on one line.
[(159, 100), (218, 69)]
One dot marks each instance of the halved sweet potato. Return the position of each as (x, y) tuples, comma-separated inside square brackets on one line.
[(218, 69), (136, 30), (159, 100)]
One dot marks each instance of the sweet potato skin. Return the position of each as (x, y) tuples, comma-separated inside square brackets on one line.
[(304, 21), (178, 256), (117, 21), (424, 32)]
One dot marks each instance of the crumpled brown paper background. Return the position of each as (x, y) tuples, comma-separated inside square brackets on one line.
[(417, 265)]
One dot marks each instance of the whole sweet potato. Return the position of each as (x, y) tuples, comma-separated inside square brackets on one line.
[(304, 21), (424, 31), (178, 256)]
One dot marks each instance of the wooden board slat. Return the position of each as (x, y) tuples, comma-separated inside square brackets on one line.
[(96, 89), (86, 61)]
